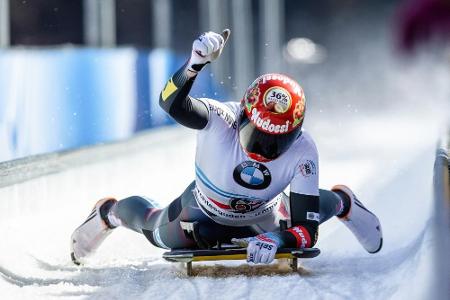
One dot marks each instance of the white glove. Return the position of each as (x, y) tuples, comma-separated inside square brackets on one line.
[(205, 49), (260, 249)]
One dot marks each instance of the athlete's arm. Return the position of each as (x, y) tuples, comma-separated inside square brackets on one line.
[(305, 221), (304, 211), (175, 99), (304, 199), (302, 233)]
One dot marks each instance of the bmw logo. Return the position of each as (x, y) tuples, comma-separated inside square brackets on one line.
[(252, 175)]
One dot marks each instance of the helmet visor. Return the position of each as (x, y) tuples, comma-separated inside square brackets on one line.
[(270, 146)]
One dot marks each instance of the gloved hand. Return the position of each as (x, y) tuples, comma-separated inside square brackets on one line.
[(205, 49), (260, 248)]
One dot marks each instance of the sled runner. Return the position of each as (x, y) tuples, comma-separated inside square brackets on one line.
[(227, 251)]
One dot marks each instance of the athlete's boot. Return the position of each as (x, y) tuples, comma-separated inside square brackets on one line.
[(89, 235), (363, 223)]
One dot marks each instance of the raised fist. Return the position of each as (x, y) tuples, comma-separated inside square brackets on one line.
[(205, 49)]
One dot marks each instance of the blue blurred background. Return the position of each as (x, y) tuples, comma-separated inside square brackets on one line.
[(57, 99)]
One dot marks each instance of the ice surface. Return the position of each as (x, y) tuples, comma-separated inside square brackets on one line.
[(388, 167)]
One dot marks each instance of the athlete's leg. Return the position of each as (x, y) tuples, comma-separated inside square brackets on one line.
[(342, 203), (87, 237), (364, 224), (330, 205), (162, 226), (133, 212)]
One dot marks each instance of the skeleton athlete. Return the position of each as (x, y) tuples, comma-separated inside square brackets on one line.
[(247, 154)]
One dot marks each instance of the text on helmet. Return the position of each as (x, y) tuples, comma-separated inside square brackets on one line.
[(286, 80), (267, 125)]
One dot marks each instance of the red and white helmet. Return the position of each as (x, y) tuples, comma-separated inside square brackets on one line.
[(272, 115)]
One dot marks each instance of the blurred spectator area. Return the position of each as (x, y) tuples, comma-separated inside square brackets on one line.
[(55, 22), (261, 29), (46, 22), (173, 23)]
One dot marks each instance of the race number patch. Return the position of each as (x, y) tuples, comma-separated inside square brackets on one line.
[(252, 175)]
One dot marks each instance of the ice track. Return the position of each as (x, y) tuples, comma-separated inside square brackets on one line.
[(389, 168)]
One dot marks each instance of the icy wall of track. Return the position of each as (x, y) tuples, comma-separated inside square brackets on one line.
[(37, 217)]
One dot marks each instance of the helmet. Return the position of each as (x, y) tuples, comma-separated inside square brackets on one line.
[(272, 115)]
